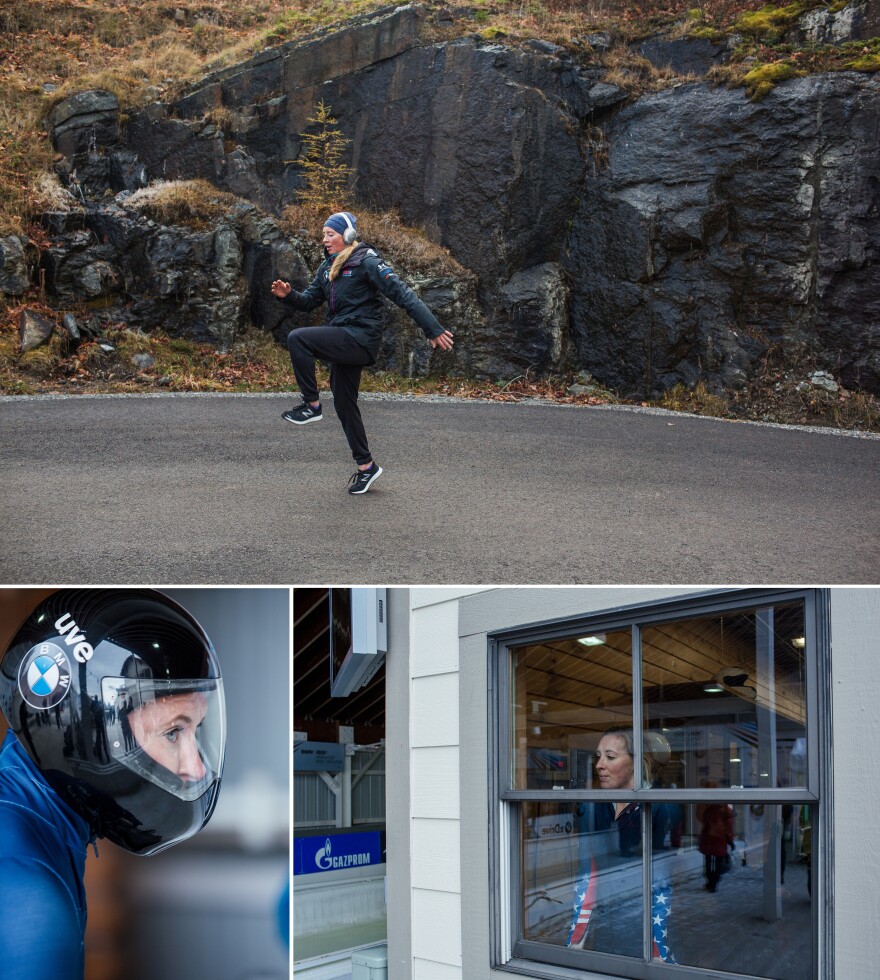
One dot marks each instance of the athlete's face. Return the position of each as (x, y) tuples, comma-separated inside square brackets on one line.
[(166, 730), (614, 764), (333, 241)]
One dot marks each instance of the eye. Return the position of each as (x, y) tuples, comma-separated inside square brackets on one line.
[(172, 734)]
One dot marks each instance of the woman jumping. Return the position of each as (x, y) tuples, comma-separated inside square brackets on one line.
[(351, 279)]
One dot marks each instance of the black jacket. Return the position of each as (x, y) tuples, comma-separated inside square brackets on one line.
[(354, 299)]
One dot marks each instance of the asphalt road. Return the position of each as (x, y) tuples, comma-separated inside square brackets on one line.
[(218, 489)]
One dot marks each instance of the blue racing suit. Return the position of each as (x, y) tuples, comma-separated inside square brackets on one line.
[(42, 862)]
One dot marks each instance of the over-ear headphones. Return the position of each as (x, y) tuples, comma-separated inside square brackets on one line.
[(350, 233)]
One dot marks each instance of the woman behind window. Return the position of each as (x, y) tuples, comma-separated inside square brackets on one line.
[(597, 921)]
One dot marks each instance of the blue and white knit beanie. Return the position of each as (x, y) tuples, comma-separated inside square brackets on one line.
[(337, 221)]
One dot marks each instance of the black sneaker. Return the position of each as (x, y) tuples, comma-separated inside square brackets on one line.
[(363, 479), (302, 414)]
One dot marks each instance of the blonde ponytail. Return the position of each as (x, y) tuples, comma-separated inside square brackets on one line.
[(341, 259)]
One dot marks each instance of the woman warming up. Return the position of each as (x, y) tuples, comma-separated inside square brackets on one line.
[(352, 280)]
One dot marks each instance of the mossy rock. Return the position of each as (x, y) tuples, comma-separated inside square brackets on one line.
[(707, 33), (771, 23), (868, 63), (764, 78), (43, 362)]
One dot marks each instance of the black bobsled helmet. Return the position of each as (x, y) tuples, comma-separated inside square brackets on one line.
[(116, 696)]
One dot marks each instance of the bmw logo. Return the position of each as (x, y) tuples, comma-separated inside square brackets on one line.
[(44, 676)]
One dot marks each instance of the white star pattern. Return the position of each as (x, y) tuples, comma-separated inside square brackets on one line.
[(661, 906)]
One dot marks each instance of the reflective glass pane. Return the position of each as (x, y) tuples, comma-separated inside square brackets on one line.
[(739, 888), (565, 694), (727, 695), (582, 876)]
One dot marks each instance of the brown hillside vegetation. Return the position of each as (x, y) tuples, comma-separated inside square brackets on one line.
[(154, 48)]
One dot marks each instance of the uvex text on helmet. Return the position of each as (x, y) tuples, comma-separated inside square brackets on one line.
[(116, 696)]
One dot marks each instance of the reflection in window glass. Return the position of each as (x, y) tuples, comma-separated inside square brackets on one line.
[(582, 876), (728, 692), (740, 887), (565, 693)]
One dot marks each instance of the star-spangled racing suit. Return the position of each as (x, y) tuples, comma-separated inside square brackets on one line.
[(598, 850), (42, 861)]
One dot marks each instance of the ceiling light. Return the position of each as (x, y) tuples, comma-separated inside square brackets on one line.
[(713, 689), (736, 760), (799, 641), (593, 641)]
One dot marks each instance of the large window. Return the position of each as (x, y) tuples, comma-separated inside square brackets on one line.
[(659, 789)]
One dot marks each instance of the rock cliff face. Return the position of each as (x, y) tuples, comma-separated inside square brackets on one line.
[(652, 241), (205, 284), (717, 226)]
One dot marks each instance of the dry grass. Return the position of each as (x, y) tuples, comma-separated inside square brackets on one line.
[(633, 73), (9, 350), (50, 194), (196, 204), (24, 151), (299, 18), (139, 52), (43, 362), (794, 401), (108, 44), (257, 363), (390, 235), (156, 48), (780, 390), (698, 400), (791, 401), (254, 363), (383, 230)]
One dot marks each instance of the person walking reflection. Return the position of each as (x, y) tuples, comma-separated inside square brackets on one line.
[(716, 836)]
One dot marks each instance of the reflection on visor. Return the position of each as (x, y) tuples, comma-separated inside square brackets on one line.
[(171, 733)]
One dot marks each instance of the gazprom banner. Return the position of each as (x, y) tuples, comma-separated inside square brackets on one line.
[(336, 852)]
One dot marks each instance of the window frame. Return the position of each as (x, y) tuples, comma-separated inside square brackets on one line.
[(509, 951)]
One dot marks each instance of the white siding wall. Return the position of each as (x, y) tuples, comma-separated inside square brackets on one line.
[(438, 686), (435, 810), (855, 677), (435, 757)]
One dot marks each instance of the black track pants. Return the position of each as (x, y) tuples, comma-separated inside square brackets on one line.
[(347, 358), (715, 868)]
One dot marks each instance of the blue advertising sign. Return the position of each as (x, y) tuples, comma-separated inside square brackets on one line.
[(334, 852), (318, 757)]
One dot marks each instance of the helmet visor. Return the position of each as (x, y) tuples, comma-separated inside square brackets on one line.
[(171, 733)]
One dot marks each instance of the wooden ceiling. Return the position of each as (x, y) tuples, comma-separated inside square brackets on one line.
[(573, 686), (579, 686), (314, 710)]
